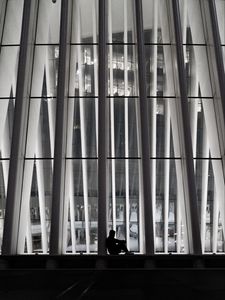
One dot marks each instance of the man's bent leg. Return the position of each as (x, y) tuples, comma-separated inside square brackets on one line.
[(123, 246)]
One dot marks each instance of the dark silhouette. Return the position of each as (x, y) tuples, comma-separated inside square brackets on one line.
[(116, 246)]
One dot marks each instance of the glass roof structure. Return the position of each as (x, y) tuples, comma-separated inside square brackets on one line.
[(112, 116)]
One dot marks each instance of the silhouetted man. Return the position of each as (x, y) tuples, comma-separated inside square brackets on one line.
[(116, 246)]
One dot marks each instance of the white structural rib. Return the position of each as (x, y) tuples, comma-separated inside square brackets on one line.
[(69, 211), (194, 122), (41, 192), (83, 134), (112, 122), (69, 183), (29, 237), (166, 174), (153, 105), (72, 208), (204, 184), (95, 62), (4, 140), (126, 94), (50, 72), (215, 221), (194, 104), (25, 207)]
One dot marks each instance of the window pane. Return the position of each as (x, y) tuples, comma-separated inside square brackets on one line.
[(122, 73), (41, 128), (123, 127), (84, 21), (45, 71), (82, 127), (6, 126), (156, 21), (83, 71), (159, 70), (204, 130), (220, 9), (48, 25), (8, 71), (121, 21), (13, 13), (192, 22)]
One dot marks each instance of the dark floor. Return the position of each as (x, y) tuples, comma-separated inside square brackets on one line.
[(112, 277)]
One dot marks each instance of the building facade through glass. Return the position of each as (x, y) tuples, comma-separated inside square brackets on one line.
[(163, 96)]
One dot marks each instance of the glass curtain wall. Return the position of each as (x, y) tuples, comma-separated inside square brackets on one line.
[(125, 201), (205, 123)]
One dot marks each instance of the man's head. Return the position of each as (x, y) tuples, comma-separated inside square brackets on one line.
[(112, 233)]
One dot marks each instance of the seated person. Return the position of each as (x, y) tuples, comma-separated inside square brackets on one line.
[(115, 246)]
